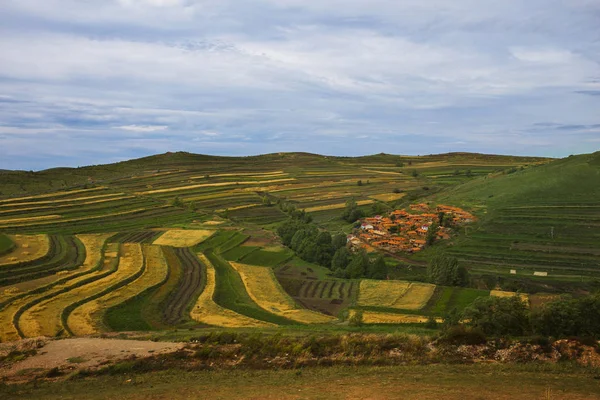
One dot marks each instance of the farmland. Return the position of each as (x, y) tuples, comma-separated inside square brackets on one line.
[(188, 241)]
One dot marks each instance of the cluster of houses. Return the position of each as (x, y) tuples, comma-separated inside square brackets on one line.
[(402, 231)]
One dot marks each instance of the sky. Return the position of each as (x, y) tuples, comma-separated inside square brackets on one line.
[(100, 81)]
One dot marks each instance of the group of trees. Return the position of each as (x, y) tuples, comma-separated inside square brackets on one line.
[(564, 317), (446, 271), (351, 211), (321, 248)]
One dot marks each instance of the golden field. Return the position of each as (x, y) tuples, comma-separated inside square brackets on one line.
[(208, 312), (183, 237), (263, 288), (28, 248)]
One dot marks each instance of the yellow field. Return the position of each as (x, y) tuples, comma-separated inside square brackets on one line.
[(43, 319), (239, 207), (395, 294), (65, 220), (207, 311), (182, 237), (500, 293), (213, 222), (416, 297), (384, 172), (336, 206), (28, 248), (69, 200), (388, 196), (263, 288), (199, 185), (155, 272), (374, 317), (70, 204), (12, 221), (242, 174), (380, 293), (42, 196), (81, 321)]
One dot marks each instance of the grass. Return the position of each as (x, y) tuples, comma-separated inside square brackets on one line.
[(267, 258), (237, 253), (479, 381), (6, 245), (542, 218)]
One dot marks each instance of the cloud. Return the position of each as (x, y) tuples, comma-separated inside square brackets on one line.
[(143, 128), (123, 78)]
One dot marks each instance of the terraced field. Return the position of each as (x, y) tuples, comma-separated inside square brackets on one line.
[(263, 288), (187, 241), (190, 283)]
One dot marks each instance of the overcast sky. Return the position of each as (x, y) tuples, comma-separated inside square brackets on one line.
[(98, 81)]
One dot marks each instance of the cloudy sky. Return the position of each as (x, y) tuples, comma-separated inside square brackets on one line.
[(96, 81)]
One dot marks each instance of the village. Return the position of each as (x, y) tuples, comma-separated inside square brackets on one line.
[(402, 231)]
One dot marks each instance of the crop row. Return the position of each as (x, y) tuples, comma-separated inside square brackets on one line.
[(66, 253), (135, 237)]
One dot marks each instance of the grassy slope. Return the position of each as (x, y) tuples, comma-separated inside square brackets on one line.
[(519, 211)]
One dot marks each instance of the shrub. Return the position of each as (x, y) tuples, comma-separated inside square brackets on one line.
[(498, 315), (356, 319), (463, 335)]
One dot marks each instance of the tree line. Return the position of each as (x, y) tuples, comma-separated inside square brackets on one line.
[(564, 317)]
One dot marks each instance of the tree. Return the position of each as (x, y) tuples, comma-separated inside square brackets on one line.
[(469, 173), (498, 315), (441, 216), (358, 265), (569, 317), (288, 229), (432, 233), (339, 241), (177, 202), (415, 173), (443, 270), (341, 259), (359, 183), (356, 319), (266, 200), (378, 269), (297, 239), (379, 208), (351, 211), (192, 206)]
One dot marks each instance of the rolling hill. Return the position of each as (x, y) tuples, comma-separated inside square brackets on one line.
[(185, 240)]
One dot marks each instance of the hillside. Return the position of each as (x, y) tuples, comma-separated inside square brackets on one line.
[(180, 240), (19, 183), (542, 219)]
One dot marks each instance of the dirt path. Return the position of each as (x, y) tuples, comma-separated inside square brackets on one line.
[(87, 353)]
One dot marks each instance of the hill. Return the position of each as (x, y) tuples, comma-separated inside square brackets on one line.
[(181, 240), (544, 219)]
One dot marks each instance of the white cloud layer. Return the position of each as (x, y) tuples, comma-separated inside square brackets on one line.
[(133, 77)]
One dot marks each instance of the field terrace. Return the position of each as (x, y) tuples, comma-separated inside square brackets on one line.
[(412, 229)]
